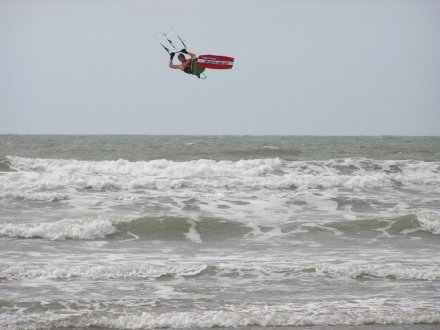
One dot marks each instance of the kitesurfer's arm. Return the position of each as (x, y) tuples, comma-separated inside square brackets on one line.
[(192, 55), (171, 65)]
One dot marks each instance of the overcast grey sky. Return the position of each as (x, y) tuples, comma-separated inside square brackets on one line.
[(338, 67)]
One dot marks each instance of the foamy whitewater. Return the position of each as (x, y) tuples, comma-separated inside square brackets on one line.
[(139, 232)]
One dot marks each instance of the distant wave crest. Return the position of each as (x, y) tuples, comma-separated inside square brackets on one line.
[(36, 174), (138, 271)]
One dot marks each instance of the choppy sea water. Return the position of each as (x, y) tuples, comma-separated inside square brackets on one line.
[(140, 232)]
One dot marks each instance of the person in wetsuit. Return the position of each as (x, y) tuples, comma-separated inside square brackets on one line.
[(186, 65)]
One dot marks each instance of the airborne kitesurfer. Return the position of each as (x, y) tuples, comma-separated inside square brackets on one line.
[(185, 65)]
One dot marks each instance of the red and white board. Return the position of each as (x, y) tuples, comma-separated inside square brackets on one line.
[(218, 62)]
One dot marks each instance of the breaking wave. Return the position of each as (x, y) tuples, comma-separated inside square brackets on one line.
[(156, 228), (329, 313), (265, 317), (54, 174), (168, 228), (136, 271), (404, 225), (5, 165), (430, 221), (107, 272), (81, 228)]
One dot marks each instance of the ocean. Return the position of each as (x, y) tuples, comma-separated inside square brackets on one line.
[(146, 232)]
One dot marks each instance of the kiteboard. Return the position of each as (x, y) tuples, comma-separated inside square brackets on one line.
[(217, 62)]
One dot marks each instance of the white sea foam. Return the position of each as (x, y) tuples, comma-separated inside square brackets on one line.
[(268, 316), (162, 167), (38, 197), (396, 270), (119, 271), (140, 271), (385, 311), (348, 270), (192, 234), (265, 228), (268, 191), (429, 221), (52, 174), (81, 228)]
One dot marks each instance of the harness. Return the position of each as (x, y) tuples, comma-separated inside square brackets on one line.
[(191, 67), (188, 67)]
